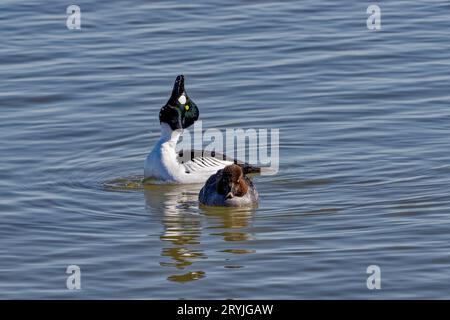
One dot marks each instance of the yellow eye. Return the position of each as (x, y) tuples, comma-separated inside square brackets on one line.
[(186, 107)]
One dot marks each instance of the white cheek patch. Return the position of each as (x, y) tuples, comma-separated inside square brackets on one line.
[(182, 99)]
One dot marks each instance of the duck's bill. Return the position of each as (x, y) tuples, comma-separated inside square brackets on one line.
[(178, 87)]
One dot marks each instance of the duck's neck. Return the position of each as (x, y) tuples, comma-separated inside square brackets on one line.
[(166, 150), (169, 137)]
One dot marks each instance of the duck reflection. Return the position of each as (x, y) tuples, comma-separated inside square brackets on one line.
[(233, 220), (182, 220), (232, 225), (182, 227)]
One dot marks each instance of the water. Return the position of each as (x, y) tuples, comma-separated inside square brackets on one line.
[(364, 145)]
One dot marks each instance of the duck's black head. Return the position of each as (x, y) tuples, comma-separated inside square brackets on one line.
[(180, 112)]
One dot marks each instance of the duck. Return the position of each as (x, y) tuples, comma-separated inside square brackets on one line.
[(229, 187), (163, 163)]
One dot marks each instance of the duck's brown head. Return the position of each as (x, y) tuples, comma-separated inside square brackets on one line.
[(231, 182)]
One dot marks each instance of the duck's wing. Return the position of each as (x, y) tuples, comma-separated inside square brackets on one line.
[(199, 160), (196, 161), (209, 189)]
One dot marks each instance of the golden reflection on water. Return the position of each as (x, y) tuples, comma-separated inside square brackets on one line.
[(183, 221), (230, 220)]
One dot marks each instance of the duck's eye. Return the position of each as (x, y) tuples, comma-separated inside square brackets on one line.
[(186, 107)]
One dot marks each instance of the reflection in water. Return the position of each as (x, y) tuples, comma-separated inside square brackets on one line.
[(182, 221), (124, 184), (233, 222), (182, 228), (190, 276)]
